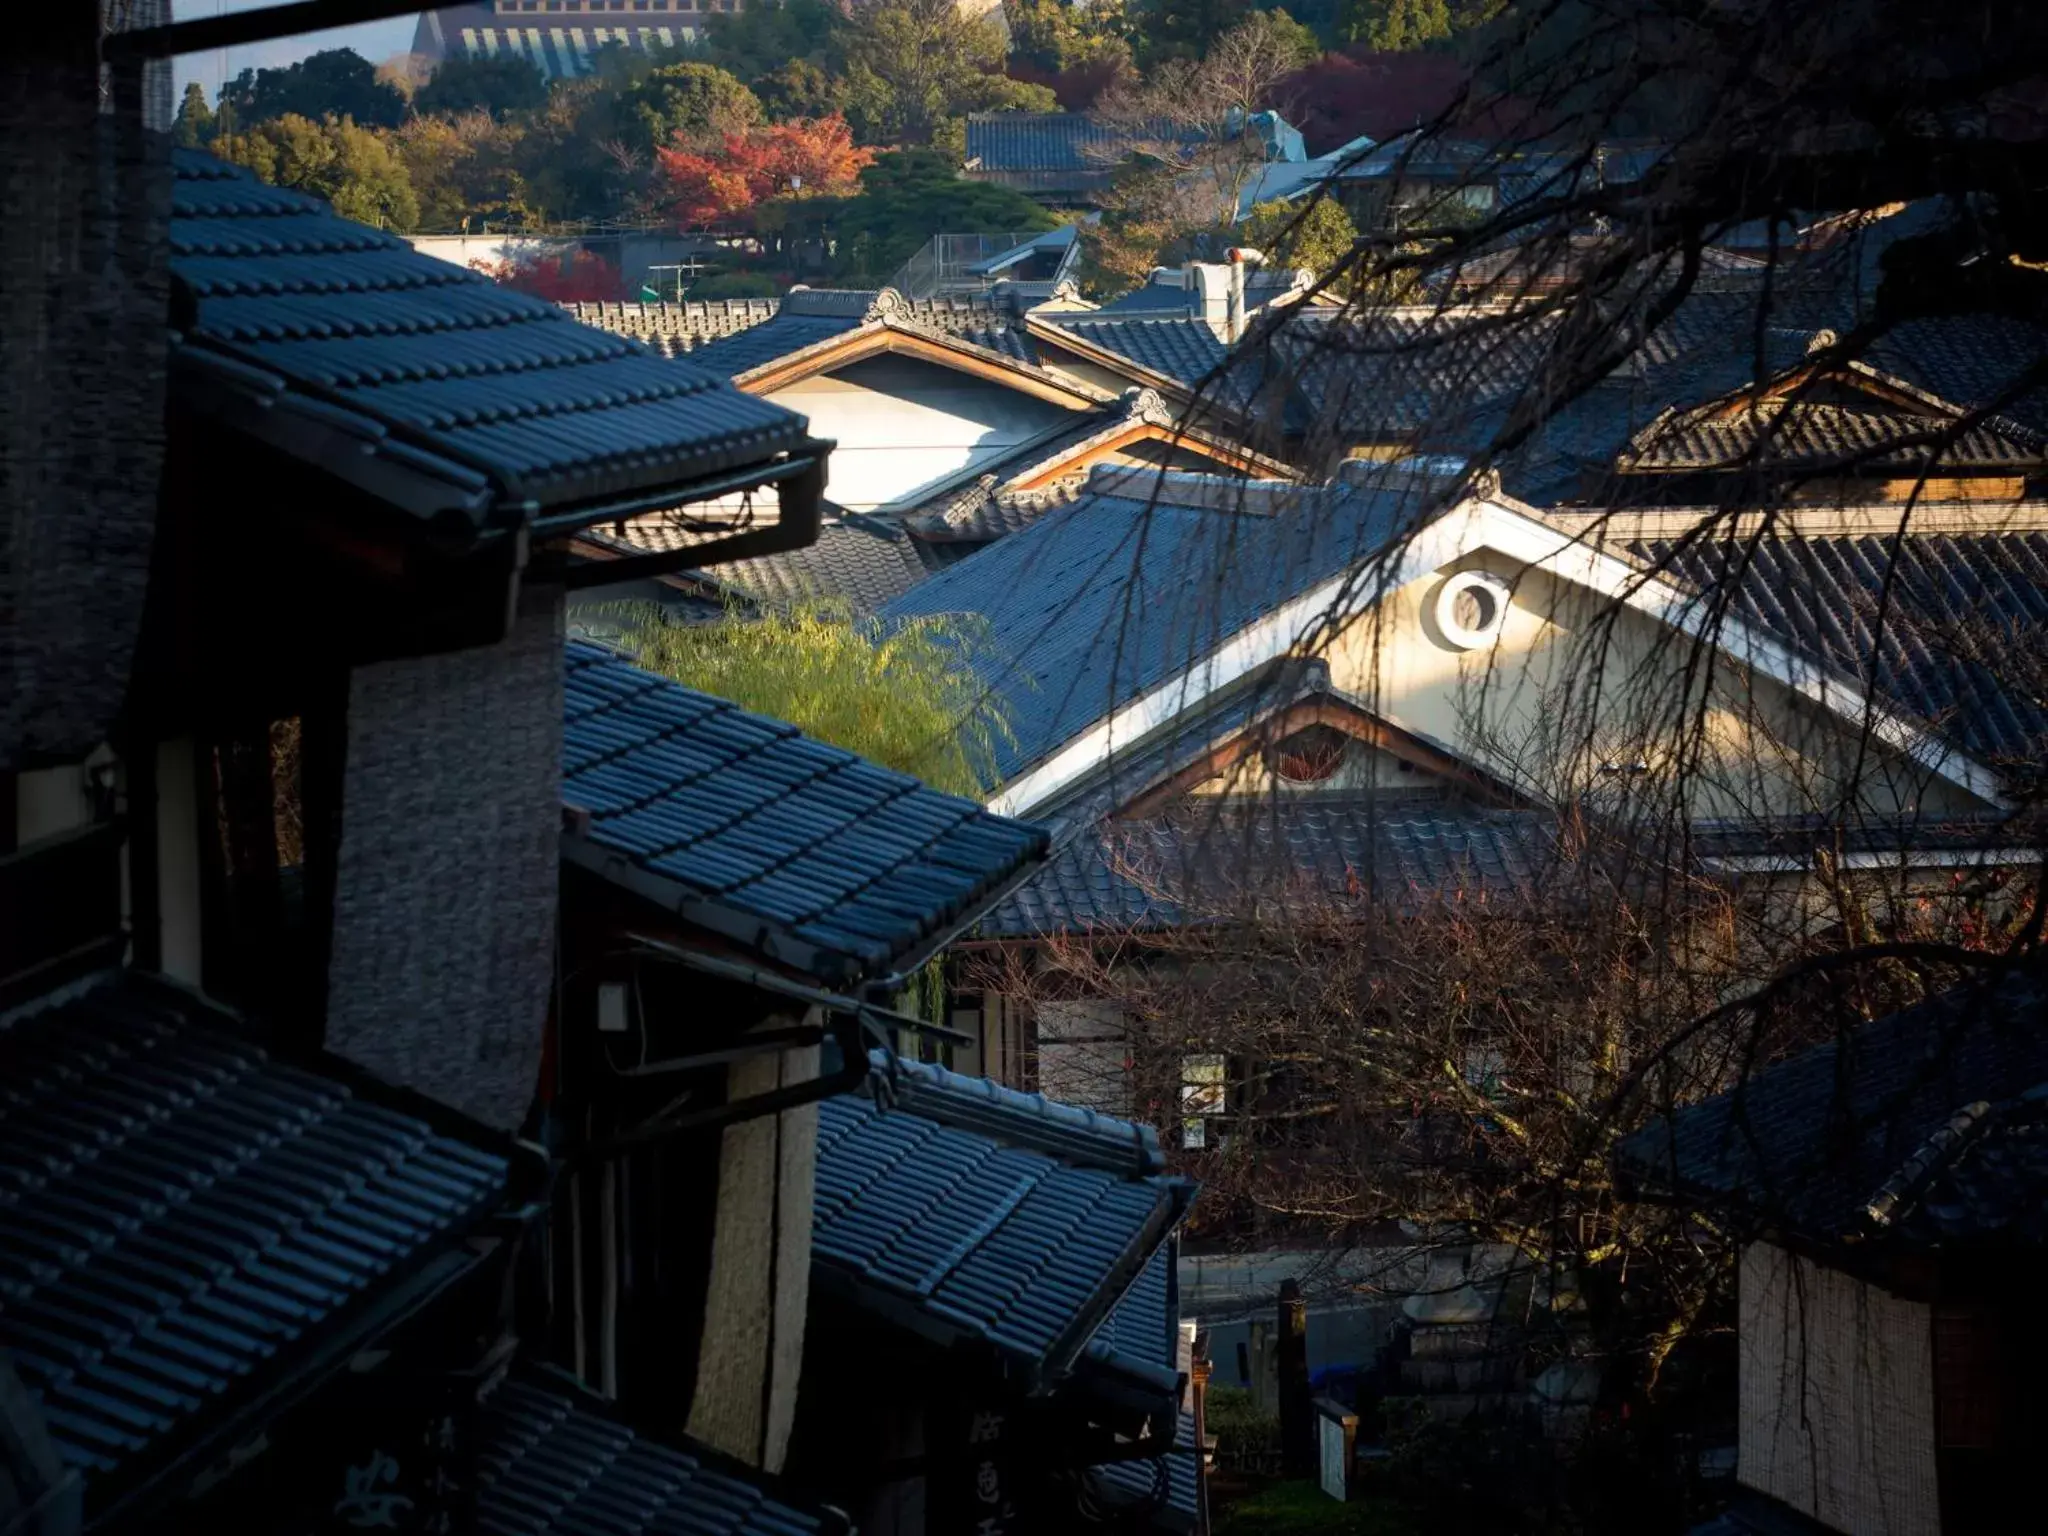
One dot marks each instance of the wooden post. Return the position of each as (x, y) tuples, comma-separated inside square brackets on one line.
[(1297, 1420), (1198, 1405)]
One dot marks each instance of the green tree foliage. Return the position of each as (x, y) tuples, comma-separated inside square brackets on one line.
[(799, 88), (567, 157), (905, 199), (495, 85), (735, 285), (465, 171), (1058, 36), (905, 696), (337, 82), (350, 166), (1317, 235), (1395, 26), (916, 68), (1184, 29), (755, 43), (195, 122), (688, 102)]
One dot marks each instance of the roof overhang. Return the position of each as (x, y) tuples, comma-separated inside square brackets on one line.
[(1151, 427), (895, 338), (1116, 362), (587, 557), (1468, 527)]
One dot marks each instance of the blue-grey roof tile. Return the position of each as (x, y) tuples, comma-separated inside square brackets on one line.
[(493, 387), (970, 1210), (786, 333), (1090, 606), (185, 1221), (1217, 862), (1057, 141), (1182, 349), (786, 834), (1920, 619), (1921, 1127), (552, 1460)]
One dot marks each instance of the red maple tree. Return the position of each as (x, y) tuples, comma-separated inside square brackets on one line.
[(804, 157), (580, 278)]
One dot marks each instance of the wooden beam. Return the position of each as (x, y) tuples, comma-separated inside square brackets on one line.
[(1244, 460), (1338, 715), (859, 345)]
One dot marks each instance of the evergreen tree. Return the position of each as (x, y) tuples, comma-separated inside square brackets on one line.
[(195, 124), (499, 85), (1394, 26)]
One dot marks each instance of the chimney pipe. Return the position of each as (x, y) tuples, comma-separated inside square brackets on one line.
[(1233, 313)]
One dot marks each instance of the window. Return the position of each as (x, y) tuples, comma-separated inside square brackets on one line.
[(1203, 1092), (1310, 755), (1470, 609)]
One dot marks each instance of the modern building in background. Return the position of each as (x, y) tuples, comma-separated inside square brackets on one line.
[(561, 38)]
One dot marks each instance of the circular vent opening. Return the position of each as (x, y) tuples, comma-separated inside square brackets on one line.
[(1471, 607), (1310, 755)]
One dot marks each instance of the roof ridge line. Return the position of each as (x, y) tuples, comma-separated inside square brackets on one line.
[(1067, 1133)]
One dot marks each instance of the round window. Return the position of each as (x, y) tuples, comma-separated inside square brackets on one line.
[(1310, 755), (1471, 607)]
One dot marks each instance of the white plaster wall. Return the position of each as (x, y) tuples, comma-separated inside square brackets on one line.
[(1837, 1397), (902, 424), (1520, 706)]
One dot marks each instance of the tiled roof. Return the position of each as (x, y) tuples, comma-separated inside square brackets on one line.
[(861, 561), (1953, 604), (343, 345), (1444, 374), (990, 508), (553, 1460), (984, 511), (1211, 863), (185, 1222), (1966, 836), (1707, 351), (1971, 360), (759, 345), (1167, 1488), (991, 322), (1873, 1135), (1056, 141), (675, 330), (799, 850), (736, 336), (1089, 607), (1815, 436), (963, 1210), (1181, 349), (1143, 1330), (1134, 767)]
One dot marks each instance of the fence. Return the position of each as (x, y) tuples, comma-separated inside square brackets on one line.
[(941, 266)]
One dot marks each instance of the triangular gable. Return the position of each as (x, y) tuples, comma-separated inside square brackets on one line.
[(1485, 523), (1828, 413), (1147, 419), (903, 336), (1288, 720)]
